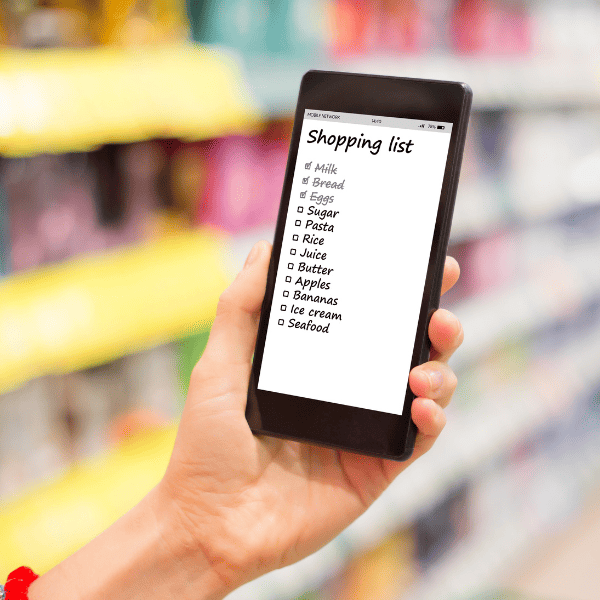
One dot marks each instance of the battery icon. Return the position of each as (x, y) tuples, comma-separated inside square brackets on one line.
[(441, 127)]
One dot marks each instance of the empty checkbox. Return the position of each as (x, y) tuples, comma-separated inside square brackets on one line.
[(280, 322), (286, 294), (290, 266), (298, 223), (295, 237), (284, 307), (293, 251), (288, 279), (300, 209)]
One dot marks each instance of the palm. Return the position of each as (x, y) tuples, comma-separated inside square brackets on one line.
[(306, 493), (331, 488)]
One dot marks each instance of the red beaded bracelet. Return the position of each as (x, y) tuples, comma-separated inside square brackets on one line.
[(17, 584)]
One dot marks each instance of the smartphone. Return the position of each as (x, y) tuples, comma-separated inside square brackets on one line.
[(358, 258)]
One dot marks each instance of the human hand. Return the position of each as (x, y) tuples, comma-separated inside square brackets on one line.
[(249, 504)]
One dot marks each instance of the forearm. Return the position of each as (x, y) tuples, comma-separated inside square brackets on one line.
[(138, 557)]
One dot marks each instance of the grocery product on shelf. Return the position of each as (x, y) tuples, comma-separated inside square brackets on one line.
[(495, 27), (77, 23), (133, 23), (5, 250), (284, 28), (245, 176)]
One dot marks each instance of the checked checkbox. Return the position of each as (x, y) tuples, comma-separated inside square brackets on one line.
[(305, 180)]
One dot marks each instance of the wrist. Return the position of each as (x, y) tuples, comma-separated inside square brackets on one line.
[(143, 555), (215, 527)]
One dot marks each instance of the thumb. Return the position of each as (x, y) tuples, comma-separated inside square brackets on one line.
[(233, 334)]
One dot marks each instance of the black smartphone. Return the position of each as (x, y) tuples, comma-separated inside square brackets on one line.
[(358, 259)]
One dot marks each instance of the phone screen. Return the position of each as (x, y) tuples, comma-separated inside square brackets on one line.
[(354, 257)]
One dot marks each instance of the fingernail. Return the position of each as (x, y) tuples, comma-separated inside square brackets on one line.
[(252, 256), (435, 380)]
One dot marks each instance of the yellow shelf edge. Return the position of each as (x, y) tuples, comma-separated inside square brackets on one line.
[(92, 309), (62, 100)]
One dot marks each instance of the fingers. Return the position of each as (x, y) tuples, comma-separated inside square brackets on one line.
[(233, 333), (446, 334), (434, 380), (451, 274), (430, 419)]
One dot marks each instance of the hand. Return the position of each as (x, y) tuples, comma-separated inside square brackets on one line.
[(249, 504)]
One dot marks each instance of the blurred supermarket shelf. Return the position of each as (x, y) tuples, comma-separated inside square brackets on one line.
[(514, 312), (74, 100), (524, 82), (88, 310), (475, 564), (470, 441)]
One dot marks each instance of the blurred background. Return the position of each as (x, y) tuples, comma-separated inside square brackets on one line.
[(143, 146)]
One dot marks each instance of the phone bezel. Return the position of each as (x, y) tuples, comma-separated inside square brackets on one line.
[(334, 425)]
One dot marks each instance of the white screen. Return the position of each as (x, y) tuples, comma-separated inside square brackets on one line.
[(354, 257)]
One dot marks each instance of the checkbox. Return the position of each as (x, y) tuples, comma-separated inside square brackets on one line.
[(293, 251), (290, 266), (300, 209), (298, 223), (284, 307), (286, 293), (280, 322), (307, 165), (295, 237), (305, 180), (288, 279), (302, 194)]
